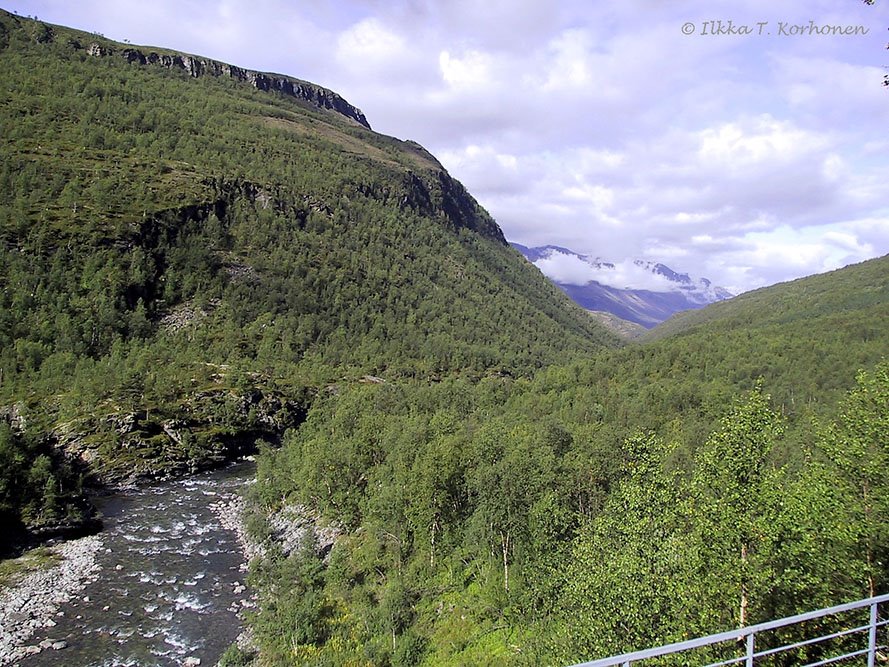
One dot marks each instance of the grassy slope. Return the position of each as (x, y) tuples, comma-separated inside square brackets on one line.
[(806, 338)]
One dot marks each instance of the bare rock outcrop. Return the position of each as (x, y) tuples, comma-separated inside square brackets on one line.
[(198, 67)]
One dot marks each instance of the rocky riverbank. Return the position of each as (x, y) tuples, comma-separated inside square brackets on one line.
[(40, 611), (230, 509), (32, 602), (291, 527)]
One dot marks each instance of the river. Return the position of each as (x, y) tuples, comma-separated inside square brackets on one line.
[(170, 585)]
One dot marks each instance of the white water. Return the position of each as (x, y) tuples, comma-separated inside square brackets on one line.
[(167, 586)]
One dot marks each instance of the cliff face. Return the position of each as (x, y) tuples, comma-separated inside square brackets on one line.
[(198, 67)]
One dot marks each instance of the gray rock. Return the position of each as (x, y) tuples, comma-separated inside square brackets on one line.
[(95, 49), (32, 602), (296, 527), (14, 415), (197, 67)]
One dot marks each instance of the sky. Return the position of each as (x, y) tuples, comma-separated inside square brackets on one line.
[(741, 141)]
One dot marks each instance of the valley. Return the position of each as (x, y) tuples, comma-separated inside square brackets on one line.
[(198, 267)]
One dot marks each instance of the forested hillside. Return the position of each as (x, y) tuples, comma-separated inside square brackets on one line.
[(599, 506), (195, 261), (187, 259), (853, 298)]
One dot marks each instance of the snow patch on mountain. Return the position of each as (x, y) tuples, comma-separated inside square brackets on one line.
[(635, 290), (568, 267)]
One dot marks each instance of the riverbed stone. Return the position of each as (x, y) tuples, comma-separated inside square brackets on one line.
[(32, 602)]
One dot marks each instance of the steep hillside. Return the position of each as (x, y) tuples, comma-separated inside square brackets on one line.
[(804, 340), (189, 250)]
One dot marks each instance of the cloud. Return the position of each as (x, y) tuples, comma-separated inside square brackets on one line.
[(848, 242), (369, 46), (627, 274), (498, 174), (782, 253), (731, 146), (471, 70), (570, 66), (569, 269), (596, 126)]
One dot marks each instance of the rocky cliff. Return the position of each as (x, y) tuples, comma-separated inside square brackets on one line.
[(197, 67)]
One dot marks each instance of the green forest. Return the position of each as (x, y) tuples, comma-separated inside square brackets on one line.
[(195, 269)]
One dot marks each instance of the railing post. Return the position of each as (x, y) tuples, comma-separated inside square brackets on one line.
[(749, 662), (872, 636)]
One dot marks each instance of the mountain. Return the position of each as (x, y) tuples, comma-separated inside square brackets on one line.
[(198, 263), (593, 287), (191, 251)]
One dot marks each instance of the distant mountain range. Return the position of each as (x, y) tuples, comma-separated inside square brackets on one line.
[(639, 291)]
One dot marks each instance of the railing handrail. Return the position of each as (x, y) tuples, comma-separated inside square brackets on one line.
[(730, 635)]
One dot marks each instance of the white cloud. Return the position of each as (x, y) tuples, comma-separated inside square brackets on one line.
[(570, 66), (564, 268), (626, 274), (596, 196), (783, 253), (848, 242), (731, 146), (472, 70), (369, 46), (851, 86)]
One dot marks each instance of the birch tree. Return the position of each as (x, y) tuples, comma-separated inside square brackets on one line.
[(735, 495), (857, 443), (625, 584)]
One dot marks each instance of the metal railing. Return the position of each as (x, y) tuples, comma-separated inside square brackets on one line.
[(858, 640)]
